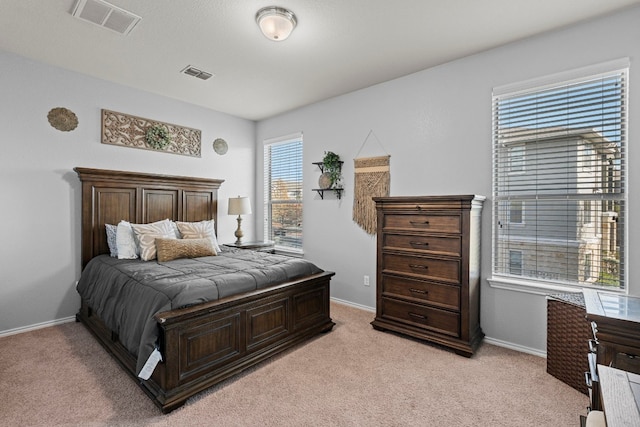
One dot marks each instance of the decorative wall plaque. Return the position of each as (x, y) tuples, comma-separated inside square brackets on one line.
[(220, 146), (131, 131), (62, 119)]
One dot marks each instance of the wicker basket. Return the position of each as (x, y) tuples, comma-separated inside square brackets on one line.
[(568, 333)]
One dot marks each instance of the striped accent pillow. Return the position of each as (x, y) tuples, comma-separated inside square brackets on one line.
[(199, 230), (147, 235)]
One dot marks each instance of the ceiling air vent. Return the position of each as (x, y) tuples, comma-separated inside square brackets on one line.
[(193, 71), (106, 15)]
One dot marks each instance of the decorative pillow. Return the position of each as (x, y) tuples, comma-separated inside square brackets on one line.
[(111, 239), (147, 235), (170, 249), (199, 230), (126, 242)]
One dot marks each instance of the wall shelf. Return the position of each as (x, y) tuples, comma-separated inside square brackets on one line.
[(321, 165), (321, 191)]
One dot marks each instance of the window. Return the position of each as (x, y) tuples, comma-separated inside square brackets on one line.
[(515, 211), (283, 192), (587, 267), (587, 212), (515, 262), (516, 158), (572, 128), (587, 154)]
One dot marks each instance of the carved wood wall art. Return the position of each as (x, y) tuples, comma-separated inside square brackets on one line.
[(130, 131)]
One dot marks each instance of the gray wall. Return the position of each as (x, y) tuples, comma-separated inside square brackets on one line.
[(436, 125), (40, 250)]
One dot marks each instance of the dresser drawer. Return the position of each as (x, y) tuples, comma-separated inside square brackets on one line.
[(432, 268), (422, 316), (432, 244), (442, 295), (424, 222)]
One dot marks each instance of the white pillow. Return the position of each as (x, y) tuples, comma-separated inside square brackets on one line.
[(147, 235), (126, 242), (199, 230)]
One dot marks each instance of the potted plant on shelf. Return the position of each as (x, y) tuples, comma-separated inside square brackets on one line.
[(332, 167)]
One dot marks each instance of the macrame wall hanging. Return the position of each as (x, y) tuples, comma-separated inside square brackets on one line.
[(372, 179)]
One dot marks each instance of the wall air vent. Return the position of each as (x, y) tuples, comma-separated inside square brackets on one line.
[(193, 71), (106, 15)]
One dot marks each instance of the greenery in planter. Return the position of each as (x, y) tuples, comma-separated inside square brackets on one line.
[(158, 137), (333, 166)]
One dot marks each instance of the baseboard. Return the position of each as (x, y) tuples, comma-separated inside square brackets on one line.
[(515, 347), (352, 304), (36, 326), (488, 340)]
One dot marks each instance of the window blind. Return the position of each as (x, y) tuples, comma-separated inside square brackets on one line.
[(559, 173), (283, 193)]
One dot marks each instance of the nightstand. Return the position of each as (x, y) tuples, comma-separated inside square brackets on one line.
[(261, 246)]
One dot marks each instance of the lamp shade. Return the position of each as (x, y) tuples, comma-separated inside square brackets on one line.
[(239, 206), (276, 23)]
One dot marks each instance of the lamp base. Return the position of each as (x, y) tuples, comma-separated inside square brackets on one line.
[(239, 234)]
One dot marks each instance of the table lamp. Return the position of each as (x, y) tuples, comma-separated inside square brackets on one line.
[(239, 206)]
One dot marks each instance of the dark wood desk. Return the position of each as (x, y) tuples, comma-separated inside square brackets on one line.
[(615, 320), (620, 393)]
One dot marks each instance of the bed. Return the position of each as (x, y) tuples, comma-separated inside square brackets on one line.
[(205, 343)]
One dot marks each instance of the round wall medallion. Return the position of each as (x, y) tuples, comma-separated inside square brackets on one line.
[(220, 146), (62, 119)]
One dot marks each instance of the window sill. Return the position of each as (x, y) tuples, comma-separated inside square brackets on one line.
[(539, 287), (530, 286)]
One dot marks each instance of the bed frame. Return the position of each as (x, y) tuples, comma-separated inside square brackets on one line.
[(205, 344)]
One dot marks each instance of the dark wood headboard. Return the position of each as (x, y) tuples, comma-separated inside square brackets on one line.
[(109, 196)]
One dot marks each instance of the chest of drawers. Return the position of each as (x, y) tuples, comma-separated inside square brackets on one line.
[(428, 269)]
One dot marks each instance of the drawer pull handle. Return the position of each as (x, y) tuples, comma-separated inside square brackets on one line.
[(418, 316), (419, 244), (423, 267), (418, 291), (419, 222)]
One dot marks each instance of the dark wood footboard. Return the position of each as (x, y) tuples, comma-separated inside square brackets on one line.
[(206, 344)]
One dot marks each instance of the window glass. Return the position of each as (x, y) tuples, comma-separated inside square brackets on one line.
[(283, 193), (574, 135)]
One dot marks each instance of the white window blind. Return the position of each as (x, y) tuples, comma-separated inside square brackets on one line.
[(283, 192), (559, 169)]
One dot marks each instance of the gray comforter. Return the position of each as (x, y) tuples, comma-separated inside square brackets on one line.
[(126, 294)]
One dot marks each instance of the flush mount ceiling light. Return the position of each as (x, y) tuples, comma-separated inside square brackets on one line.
[(276, 23)]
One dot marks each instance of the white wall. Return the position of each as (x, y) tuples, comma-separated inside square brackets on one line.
[(436, 125), (40, 193)]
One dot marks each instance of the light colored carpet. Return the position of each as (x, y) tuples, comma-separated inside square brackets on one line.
[(352, 376)]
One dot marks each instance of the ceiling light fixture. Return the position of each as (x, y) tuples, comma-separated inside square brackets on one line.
[(276, 23)]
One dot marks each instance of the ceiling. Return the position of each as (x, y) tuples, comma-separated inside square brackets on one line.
[(339, 46)]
